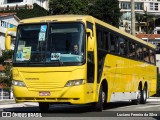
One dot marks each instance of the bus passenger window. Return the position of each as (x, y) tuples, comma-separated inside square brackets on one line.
[(99, 38), (152, 56), (139, 52), (123, 46), (105, 45), (146, 54), (114, 45), (132, 50)]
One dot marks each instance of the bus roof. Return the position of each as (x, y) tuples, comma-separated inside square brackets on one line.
[(54, 18)]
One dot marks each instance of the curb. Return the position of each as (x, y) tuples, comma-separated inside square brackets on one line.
[(19, 105)]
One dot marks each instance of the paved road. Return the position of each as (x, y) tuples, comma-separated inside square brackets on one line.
[(119, 110)]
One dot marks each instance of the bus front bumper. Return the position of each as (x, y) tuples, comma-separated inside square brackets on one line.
[(73, 95)]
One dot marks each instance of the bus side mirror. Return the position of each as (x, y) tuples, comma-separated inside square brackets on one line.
[(9, 33), (90, 46), (8, 43)]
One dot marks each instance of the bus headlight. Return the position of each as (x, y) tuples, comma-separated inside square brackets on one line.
[(18, 83), (74, 83)]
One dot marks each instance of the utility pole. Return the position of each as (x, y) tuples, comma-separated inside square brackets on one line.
[(132, 17)]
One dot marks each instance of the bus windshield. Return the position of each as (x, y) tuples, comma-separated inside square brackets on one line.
[(53, 43)]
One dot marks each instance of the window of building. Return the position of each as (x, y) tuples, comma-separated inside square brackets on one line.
[(154, 6), (14, 1), (138, 6), (126, 16), (125, 5)]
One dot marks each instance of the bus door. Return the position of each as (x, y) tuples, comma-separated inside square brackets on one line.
[(90, 63)]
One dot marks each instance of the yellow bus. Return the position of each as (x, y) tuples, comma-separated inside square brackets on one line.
[(109, 65)]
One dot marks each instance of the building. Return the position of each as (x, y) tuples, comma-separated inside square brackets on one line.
[(21, 4), (148, 7), (7, 20)]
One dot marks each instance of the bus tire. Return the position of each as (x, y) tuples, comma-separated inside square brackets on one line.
[(139, 96), (44, 107), (144, 95), (99, 106)]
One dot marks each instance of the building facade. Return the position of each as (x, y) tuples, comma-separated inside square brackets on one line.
[(148, 7), (20, 4), (7, 20)]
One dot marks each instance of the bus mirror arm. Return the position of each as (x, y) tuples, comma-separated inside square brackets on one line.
[(90, 46)]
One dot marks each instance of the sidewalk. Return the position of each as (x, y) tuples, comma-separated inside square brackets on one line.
[(11, 103)]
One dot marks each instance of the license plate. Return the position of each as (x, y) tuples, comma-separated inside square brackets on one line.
[(44, 93)]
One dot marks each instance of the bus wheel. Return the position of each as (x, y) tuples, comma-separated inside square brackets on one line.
[(44, 107), (144, 95), (101, 100), (139, 96)]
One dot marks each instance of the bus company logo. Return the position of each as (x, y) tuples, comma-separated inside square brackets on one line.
[(32, 78), (6, 114)]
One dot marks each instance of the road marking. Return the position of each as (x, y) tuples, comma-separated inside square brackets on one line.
[(149, 106)]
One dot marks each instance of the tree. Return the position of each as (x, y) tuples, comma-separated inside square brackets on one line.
[(107, 11), (7, 79), (37, 11), (6, 54), (57, 7)]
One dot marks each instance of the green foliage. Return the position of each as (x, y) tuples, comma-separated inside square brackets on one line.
[(6, 55), (37, 11), (149, 19), (8, 78), (107, 11), (68, 7)]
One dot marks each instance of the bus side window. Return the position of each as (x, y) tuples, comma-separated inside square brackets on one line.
[(152, 56), (123, 47), (99, 38), (132, 50), (105, 44), (146, 54), (90, 67), (139, 52), (113, 43)]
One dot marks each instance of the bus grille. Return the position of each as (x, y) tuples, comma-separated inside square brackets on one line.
[(44, 86)]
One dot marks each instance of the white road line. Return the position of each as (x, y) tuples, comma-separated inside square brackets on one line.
[(149, 106)]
